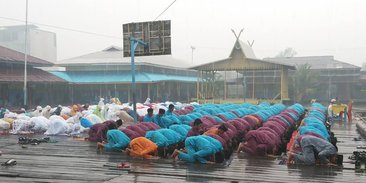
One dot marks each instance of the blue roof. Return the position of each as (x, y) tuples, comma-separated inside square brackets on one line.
[(118, 77)]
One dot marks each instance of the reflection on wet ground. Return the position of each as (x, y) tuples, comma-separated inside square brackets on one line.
[(70, 160)]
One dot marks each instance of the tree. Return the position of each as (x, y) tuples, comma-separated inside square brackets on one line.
[(288, 52), (218, 84), (305, 82), (215, 83)]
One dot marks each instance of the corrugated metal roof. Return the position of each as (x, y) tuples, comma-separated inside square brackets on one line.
[(316, 62), (113, 55), (11, 56), (33, 75), (119, 77), (242, 58), (245, 64), (247, 50)]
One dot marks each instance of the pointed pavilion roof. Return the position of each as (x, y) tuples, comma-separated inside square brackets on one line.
[(242, 58)]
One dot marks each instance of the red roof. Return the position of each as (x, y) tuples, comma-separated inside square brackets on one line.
[(16, 74), (12, 56)]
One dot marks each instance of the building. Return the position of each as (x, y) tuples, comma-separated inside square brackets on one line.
[(107, 74), (41, 44), (243, 76), (43, 87), (242, 61), (335, 79)]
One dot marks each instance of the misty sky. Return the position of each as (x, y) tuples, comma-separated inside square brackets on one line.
[(311, 27)]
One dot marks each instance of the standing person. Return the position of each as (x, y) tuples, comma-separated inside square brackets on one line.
[(311, 147), (330, 108), (149, 116), (157, 119), (349, 112)]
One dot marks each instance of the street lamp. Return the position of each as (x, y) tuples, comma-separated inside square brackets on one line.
[(193, 48)]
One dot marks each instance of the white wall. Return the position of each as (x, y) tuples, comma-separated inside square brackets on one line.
[(43, 45)]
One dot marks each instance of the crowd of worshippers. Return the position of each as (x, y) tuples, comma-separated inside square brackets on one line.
[(207, 133), (313, 142), (255, 130)]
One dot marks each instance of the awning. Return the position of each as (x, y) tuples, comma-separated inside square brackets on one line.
[(119, 77)]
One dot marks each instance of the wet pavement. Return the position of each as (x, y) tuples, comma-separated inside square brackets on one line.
[(73, 160)]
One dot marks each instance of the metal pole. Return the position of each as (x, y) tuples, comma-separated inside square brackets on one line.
[(133, 47), (329, 86), (25, 53), (253, 85), (244, 86), (198, 86), (225, 89), (134, 42), (193, 48)]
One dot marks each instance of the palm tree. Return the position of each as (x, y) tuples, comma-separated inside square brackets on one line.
[(305, 82), (218, 84), (215, 83)]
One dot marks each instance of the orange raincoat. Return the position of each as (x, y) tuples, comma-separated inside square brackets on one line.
[(212, 131), (142, 147)]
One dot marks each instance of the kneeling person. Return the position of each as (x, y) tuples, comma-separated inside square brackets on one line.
[(116, 141), (142, 147), (199, 149), (311, 147)]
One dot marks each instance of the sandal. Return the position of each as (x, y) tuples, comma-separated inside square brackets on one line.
[(10, 162), (123, 165)]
